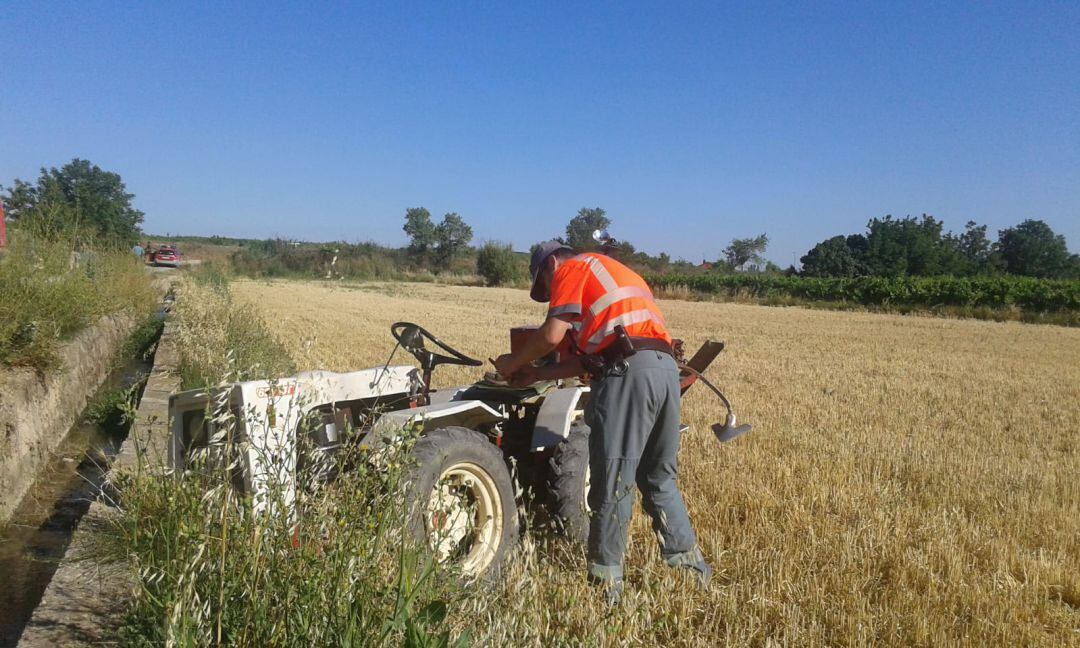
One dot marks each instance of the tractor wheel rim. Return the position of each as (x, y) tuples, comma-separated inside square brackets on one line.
[(465, 518)]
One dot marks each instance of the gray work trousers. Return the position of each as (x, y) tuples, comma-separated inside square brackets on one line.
[(634, 440)]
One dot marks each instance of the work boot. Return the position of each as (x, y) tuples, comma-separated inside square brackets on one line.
[(693, 562), (612, 589)]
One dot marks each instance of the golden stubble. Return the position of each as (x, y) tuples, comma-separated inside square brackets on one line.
[(909, 480)]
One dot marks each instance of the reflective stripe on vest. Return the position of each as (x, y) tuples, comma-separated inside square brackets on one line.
[(626, 319), (618, 294), (601, 273)]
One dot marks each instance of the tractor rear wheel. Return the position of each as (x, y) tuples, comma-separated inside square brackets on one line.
[(568, 484), (461, 500)]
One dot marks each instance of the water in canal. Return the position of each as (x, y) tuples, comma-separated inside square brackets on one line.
[(38, 533)]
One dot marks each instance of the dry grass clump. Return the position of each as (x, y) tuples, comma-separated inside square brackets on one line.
[(910, 481), (220, 340)]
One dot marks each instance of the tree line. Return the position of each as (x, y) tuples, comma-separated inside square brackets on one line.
[(919, 247), (85, 201)]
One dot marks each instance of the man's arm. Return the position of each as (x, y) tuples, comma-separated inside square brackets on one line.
[(541, 343), (528, 374)]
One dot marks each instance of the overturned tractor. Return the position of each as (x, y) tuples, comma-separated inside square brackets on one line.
[(476, 446)]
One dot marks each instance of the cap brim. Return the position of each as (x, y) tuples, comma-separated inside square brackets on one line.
[(537, 291)]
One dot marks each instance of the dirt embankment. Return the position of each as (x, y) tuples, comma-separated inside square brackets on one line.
[(36, 412)]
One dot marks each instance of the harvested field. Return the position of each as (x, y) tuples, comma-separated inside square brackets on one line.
[(910, 481)]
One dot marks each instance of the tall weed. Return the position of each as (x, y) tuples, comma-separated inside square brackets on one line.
[(331, 565), (49, 292), (220, 339)]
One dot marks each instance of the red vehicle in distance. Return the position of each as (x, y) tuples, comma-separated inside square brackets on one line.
[(166, 255)]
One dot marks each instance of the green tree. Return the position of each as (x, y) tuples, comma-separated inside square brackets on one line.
[(743, 251), (974, 244), (908, 246), (580, 229), (971, 250), (452, 236), (498, 265), (21, 199), (420, 229), (1034, 250), (80, 196), (838, 256)]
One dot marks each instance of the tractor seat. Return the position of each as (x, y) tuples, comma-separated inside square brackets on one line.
[(501, 393)]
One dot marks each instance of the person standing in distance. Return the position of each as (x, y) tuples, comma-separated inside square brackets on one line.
[(633, 408)]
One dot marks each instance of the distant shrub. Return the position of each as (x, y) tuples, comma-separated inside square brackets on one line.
[(214, 274), (994, 292), (498, 265)]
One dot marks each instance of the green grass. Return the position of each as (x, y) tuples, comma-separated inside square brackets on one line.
[(344, 573), (114, 410), (141, 341), (47, 295)]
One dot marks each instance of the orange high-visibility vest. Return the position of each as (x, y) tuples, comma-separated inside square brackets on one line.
[(600, 293)]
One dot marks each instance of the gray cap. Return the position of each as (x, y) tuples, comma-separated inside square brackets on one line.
[(539, 257)]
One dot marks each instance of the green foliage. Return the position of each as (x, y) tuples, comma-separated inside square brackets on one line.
[(79, 196), (743, 251), (973, 249), (1035, 295), (499, 265), (835, 257), (580, 229), (282, 258), (343, 572), (918, 247), (452, 236), (908, 246), (114, 410), (48, 293), (421, 230), (140, 342), (338, 260), (1033, 249)]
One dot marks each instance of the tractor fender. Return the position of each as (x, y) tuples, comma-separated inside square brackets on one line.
[(557, 413), (468, 414)]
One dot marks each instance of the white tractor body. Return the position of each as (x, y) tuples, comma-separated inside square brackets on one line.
[(260, 421)]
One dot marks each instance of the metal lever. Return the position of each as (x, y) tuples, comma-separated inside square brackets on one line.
[(728, 431)]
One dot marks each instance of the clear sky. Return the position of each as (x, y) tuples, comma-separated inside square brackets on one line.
[(690, 123)]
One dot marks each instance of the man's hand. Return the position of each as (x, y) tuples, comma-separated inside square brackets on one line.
[(543, 342), (506, 366), (524, 376)]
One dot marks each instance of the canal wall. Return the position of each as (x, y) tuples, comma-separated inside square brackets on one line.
[(86, 599), (37, 410)]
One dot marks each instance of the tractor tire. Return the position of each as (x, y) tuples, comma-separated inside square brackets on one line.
[(461, 501), (568, 485)]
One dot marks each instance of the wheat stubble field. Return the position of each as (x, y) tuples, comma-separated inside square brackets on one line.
[(910, 480)]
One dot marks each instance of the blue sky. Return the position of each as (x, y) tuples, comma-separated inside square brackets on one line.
[(690, 123)]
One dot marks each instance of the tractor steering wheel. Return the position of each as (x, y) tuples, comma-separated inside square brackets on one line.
[(411, 337)]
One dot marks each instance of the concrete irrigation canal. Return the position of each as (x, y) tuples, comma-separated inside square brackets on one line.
[(50, 595)]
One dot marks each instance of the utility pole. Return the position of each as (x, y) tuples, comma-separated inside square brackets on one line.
[(3, 231)]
